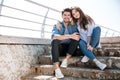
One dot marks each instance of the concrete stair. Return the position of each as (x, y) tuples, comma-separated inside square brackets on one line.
[(85, 73), (46, 77), (112, 62), (76, 70)]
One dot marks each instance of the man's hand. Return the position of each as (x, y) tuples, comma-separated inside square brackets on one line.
[(75, 36)]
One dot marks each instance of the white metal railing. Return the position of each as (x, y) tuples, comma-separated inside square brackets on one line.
[(43, 28)]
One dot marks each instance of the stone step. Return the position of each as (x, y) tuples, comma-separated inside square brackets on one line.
[(111, 45), (48, 77), (112, 62), (90, 74), (106, 51), (110, 42)]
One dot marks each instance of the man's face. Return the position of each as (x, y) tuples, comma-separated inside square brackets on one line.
[(66, 17)]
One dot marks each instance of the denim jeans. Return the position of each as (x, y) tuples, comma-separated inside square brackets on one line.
[(61, 48), (95, 38)]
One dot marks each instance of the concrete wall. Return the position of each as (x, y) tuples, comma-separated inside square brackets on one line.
[(18, 54)]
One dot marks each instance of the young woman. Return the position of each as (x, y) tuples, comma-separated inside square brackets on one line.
[(89, 35)]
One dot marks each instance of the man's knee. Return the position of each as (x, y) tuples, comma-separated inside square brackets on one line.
[(74, 41), (55, 41)]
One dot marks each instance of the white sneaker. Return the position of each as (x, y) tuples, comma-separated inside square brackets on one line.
[(58, 73), (102, 66), (85, 59), (64, 63)]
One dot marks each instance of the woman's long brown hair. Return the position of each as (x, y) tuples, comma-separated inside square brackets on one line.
[(84, 19)]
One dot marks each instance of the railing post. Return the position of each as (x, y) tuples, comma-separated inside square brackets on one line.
[(43, 24), (112, 34), (118, 34), (106, 33), (1, 3)]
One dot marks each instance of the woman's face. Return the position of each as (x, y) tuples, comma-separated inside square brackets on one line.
[(75, 14)]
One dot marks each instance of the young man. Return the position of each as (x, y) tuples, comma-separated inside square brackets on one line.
[(65, 41)]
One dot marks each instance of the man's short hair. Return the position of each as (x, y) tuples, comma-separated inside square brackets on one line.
[(66, 10)]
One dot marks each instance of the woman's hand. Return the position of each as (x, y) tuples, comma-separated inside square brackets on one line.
[(58, 26), (89, 47)]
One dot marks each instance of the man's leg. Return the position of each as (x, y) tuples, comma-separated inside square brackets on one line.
[(55, 57), (55, 50), (71, 49)]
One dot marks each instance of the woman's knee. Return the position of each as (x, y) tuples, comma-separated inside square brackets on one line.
[(82, 43), (97, 29)]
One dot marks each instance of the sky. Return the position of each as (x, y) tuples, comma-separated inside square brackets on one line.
[(104, 12)]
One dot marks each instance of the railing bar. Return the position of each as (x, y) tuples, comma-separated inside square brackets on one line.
[(24, 20), (110, 29), (23, 28), (20, 28), (28, 12), (20, 19), (42, 5)]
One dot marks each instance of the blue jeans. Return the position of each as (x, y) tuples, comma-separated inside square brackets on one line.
[(95, 38)]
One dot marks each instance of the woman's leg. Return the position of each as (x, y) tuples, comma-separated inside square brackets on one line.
[(90, 55), (83, 47), (95, 38)]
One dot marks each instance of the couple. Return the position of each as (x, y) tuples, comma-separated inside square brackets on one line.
[(76, 29)]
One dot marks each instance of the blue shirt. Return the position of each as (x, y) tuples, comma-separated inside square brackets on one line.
[(71, 29)]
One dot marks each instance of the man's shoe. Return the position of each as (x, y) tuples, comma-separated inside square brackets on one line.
[(85, 59), (102, 66), (58, 73), (64, 63)]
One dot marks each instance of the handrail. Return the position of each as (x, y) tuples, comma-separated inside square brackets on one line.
[(110, 29), (24, 20), (22, 28), (42, 5), (19, 28)]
